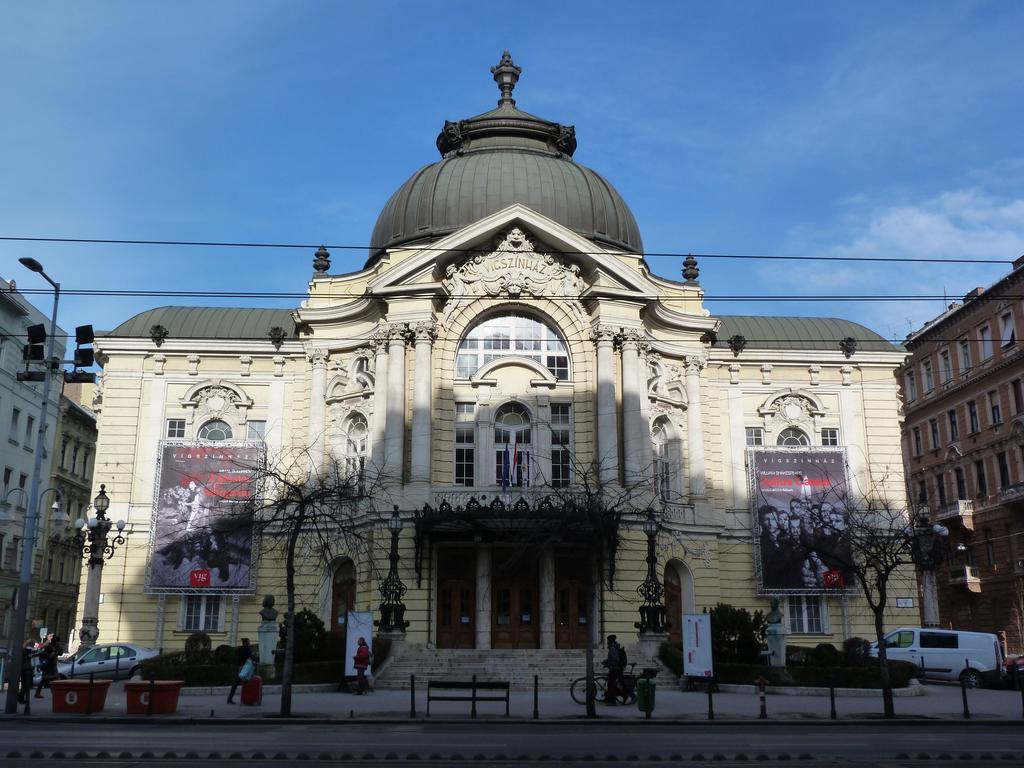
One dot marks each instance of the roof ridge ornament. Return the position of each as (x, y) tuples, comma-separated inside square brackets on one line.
[(506, 75)]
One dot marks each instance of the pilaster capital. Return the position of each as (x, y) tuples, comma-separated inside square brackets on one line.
[(695, 364), (603, 334), (379, 340), (631, 339), (397, 332), (318, 357), (425, 330)]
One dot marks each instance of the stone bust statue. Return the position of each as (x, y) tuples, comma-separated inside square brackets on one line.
[(774, 615), (268, 612)]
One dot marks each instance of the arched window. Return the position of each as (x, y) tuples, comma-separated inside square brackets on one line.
[(512, 441), (512, 334), (356, 432), (791, 437), (662, 465), (215, 431)]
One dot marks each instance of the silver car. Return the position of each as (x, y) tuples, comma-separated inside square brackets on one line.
[(110, 661)]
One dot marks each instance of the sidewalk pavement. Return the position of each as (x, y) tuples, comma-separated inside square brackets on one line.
[(935, 702)]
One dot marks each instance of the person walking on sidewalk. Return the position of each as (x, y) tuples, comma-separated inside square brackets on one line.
[(48, 663), (615, 663), (28, 654), (243, 657), (361, 663)]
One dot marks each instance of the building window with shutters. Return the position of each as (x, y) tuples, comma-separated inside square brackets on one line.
[(979, 471), (1004, 469), (1007, 333), (972, 417), (918, 444), (954, 429), (808, 615), (965, 356), (926, 376), (561, 444), (933, 425), (961, 483), (945, 367), (911, 383), (995, 410), (940, 486), (201, 613), (985, 334)]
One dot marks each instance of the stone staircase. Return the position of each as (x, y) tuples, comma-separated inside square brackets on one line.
[(554, 668)]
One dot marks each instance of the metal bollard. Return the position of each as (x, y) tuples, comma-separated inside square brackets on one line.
[(412, 696), (922, 668), (152, 693), (472, 712), (761, 682), (536, 702), (88, 695), (832, 699), (1020, 686), (963, 690), (711, 702)]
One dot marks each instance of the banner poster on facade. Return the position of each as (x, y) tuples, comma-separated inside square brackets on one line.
[(202, 531), (359, 624), (697, 658), (800, 511)]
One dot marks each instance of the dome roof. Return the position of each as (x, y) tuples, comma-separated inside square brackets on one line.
[(494, 160)]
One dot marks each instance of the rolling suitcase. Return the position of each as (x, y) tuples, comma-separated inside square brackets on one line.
[(252, 691)]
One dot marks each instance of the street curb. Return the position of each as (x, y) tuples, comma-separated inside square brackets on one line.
[(509, 722), (851, 693)]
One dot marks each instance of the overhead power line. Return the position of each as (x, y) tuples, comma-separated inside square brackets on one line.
[(656, 254)]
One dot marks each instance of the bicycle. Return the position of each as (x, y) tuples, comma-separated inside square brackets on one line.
[(625, 695)]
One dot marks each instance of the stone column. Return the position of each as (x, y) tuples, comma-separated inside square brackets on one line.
[(632, 426), (607, 422), (425, 332), (394, 430), (316, 436), (695, 425), (547, 598), (483, 596), (380, 399)]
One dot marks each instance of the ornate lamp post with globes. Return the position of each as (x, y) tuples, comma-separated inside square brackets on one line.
[(392, 590), (94, 542)]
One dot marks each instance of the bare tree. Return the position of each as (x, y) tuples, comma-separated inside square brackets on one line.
[(306, 502), (872, 544)]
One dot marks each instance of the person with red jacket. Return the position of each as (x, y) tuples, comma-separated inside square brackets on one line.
[(362, 663)]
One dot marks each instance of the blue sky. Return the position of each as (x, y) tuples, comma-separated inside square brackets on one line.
[(809, 128)]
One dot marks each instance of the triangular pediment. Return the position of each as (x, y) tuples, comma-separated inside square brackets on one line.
[(429, 264)]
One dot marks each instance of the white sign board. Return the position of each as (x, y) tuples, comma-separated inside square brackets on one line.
[(359, 624), (697, 645), (904, 602)]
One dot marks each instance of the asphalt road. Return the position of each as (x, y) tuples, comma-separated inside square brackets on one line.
[(510, 743)]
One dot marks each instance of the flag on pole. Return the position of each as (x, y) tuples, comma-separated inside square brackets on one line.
[(526, 470), (504, 468), (515, 460)]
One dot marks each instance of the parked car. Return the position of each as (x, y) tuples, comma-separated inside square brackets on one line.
[(948, 654), (109, 661)]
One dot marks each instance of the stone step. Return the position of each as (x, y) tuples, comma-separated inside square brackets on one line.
[(553, 668)]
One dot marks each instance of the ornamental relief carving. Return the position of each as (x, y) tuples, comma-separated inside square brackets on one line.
[(791, 409), (513, 269)]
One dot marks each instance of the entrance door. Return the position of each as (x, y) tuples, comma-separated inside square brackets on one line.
[(456, 597), (515, 612), (674, 604), (343, 597), (571, 601)]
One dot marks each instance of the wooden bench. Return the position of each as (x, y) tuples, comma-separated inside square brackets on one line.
[(462, 690)]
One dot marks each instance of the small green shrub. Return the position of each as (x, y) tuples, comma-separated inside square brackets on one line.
[(224, 654), (825, 655), (198, 645), (737, 634), (857, 652), (312, 640)]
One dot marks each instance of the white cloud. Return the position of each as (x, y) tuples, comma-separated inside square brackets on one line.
[(958, 224)]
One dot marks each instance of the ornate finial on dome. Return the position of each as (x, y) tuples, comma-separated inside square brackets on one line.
[(506, 75), (321, 259)]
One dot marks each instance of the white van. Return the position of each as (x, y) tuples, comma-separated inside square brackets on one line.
[(947, 654)]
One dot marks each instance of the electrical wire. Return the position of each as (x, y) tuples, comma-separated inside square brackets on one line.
[(659, 254)]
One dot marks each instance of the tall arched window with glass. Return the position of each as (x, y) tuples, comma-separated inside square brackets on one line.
[(509, 335), (791, 437), (512, 443), (662, 463), (356, 433), (214, 431), (465, 452)]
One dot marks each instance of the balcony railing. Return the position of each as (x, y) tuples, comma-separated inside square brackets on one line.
[(1013, 492), (965, 575), (962, 510)]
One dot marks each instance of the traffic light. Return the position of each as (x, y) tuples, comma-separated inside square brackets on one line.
[(33, 351), (84, 357)]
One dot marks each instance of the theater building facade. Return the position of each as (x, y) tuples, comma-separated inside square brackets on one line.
[(505, 338)]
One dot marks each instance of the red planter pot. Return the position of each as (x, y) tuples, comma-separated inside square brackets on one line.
[(78, 696), (164, 694)]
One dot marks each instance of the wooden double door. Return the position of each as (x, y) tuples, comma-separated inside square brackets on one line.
[(456, 597), (571, 590), (515, 599)]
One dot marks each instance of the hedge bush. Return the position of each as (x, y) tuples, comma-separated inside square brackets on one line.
[(900, 672), (174, 666)]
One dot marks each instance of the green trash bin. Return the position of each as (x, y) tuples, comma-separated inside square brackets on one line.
[(645, 695)]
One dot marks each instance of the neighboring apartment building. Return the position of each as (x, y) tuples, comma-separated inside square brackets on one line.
[(19, 411), (71, 473), (964, 446)]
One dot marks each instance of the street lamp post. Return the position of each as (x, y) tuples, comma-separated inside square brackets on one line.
[(94, 542), (652, 610), (392, 590), (929, 545), (17, 635)]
